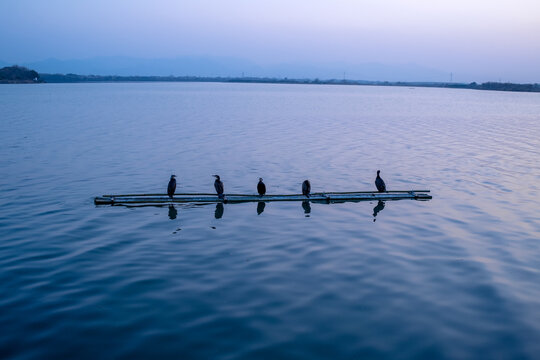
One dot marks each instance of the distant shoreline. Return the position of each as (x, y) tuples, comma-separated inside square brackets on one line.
[(73, 78), (20, 75)]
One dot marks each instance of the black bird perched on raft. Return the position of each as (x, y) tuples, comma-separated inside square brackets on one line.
[(379, 183), (306, 188), (261, 188), (171, 188), (218, 185)]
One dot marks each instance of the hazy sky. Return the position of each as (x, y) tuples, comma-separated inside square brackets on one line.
[(499, 39)]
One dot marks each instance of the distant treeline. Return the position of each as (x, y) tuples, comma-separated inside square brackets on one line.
[(18, 75), (73, 78)]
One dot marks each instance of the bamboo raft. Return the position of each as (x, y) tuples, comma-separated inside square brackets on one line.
[(328, 197)]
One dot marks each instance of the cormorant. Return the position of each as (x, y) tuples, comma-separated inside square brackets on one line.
[(379, 183), (218, 185), (306, 188), (171, 188), (261, 188)]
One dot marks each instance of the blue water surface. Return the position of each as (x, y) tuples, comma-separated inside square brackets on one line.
[(454, 277)]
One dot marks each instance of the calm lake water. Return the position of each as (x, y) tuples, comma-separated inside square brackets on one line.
[(454, 277)]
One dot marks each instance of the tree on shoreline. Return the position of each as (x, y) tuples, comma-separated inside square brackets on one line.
[(18, 74)]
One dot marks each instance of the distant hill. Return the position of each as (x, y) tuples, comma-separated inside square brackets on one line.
[(18, 75), (208, 66)]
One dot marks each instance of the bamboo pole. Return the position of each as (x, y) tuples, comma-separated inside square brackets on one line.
[(316, 193), (326, 197)]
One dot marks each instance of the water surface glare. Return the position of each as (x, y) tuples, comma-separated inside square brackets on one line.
[(454, 277)]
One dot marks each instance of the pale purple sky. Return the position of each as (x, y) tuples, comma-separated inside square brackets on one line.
[(498, 39)]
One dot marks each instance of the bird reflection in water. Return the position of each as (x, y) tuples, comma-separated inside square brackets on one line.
[(307, 207), (172, 212), (376, 209), (260, 207), (219, 210)]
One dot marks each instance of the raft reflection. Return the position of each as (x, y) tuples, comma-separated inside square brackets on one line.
[(261, 206)]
